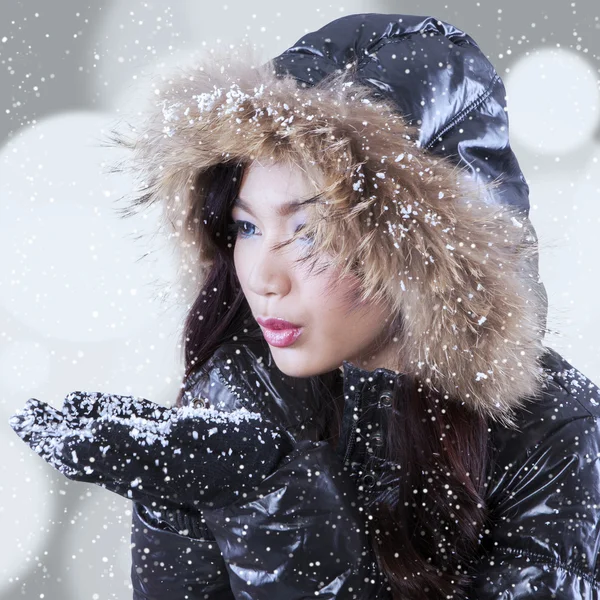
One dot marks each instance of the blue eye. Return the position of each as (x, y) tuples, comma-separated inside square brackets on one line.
[(237, 228)]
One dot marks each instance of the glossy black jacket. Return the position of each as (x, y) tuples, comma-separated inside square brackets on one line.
[(543, 497)]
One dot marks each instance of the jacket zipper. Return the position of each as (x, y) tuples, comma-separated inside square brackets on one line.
[(354, 426)]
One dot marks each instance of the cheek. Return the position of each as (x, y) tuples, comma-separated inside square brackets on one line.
[(240, 266), (335, 300)]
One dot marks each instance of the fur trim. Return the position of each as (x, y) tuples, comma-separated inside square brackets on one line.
[(421, 232)]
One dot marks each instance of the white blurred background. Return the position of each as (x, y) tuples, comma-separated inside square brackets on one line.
[(85, 297)]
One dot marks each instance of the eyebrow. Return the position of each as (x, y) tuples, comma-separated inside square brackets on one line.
[(283, 210)]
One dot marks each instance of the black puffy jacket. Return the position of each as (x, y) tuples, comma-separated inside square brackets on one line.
[(544, 496), (473, 305)]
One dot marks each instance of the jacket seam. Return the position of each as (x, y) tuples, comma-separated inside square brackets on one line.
[(380, 44), (553, 562), (402, 37), (458, 118), (461, 116), (192, 380), (369, 50), (235, 392)]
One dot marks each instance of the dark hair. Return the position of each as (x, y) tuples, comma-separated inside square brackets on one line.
[(426, 534)]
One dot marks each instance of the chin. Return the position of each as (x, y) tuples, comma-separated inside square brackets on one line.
[(292, 365)]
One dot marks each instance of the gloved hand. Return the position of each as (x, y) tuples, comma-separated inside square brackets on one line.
[(173, 460)]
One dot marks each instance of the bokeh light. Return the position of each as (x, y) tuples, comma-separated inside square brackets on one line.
[(553, 100), (73, 270)]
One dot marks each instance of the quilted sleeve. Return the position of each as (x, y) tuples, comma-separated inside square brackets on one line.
[(545, 535), (166, 565), (300, 534)]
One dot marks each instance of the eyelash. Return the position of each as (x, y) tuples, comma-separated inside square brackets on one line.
[(236, 228)]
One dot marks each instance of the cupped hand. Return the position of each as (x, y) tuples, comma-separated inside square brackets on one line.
[(168, 458)]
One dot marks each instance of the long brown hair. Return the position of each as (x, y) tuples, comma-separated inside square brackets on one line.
[(427, 533)]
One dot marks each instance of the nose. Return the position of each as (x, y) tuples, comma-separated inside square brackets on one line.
[(270, 271)]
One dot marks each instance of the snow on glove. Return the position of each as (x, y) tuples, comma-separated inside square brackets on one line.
[(175, 460)]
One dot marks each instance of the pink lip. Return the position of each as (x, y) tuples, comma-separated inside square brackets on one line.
[(281, 337), (278, 332), (276, 323)]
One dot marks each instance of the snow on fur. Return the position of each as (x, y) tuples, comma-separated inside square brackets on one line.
[(426, 239)]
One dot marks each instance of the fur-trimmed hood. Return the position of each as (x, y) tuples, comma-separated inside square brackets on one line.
[(423, 232)]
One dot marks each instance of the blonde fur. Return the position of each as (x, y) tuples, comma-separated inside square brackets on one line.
[(424, 236)]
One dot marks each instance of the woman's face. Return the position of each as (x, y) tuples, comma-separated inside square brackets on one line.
[(275, 287)]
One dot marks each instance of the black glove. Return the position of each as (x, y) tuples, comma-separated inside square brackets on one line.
[(175, 461)]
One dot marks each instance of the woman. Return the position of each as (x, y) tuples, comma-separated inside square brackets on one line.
[(421, 441)]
